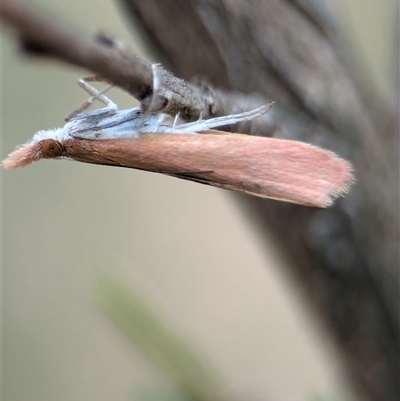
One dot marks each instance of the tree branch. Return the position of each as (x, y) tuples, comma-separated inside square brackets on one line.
[(44, 37)]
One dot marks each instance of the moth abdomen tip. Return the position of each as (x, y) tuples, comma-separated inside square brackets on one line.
[(22, 156)]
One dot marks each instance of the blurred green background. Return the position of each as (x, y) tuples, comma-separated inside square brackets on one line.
[(189, 248)]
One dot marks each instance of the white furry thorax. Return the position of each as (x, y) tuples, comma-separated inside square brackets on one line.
[(58, 134)]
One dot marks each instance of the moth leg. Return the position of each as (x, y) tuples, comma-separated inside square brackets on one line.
[(175, 123), (95, 95), (204, 125), (157, 101)]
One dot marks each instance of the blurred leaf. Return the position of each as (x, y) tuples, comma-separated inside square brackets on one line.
[(158, 341)]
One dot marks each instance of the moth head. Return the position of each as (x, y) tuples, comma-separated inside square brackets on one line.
[(51, 148)]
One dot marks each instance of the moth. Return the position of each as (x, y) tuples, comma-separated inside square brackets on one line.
[(284, 170)]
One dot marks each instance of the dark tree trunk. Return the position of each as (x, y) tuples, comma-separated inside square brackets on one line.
[(292, 51)]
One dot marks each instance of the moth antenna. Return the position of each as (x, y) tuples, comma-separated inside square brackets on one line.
[(95, 95), (98, 94)]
